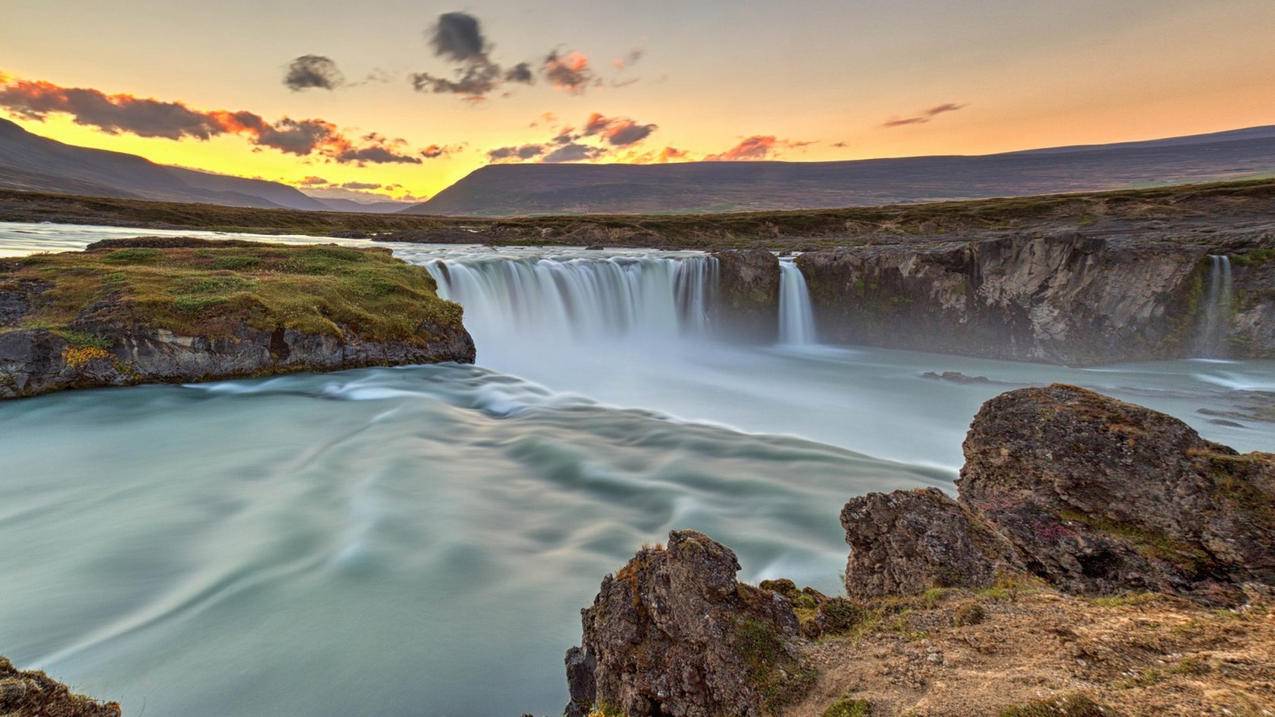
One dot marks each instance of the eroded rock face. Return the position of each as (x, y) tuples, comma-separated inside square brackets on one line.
[(1071, 299), (1099, 495), (35, 694), (906, 542), (748, 295), (673, 633)]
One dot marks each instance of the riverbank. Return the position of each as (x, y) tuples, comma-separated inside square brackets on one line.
[(175, 310), (1101, 559)]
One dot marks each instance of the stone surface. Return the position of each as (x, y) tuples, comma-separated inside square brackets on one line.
[(747, 305), (1100, 496), (673, 633), (35, 694), (906, 542)]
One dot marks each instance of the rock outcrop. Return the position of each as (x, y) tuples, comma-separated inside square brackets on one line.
[(673, 633), (1075, 298), (906, 542), (1090, 494), (748, 295), (35, 694), (1099, 495), (181, 310)]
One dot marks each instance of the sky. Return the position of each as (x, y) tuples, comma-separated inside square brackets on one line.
[(401, 98)]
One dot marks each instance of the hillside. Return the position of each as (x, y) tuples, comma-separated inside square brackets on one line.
[(516, 189), (32, 163)]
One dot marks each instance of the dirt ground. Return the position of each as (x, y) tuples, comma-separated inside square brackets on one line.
[(1031, 652)]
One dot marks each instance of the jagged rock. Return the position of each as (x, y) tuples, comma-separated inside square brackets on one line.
[(1099, 495), (673, 633), (35, 694), (748, 294), (906, 542)]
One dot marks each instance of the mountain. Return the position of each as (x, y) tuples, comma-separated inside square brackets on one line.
[(518, 189), (339, 204), (32, 163)]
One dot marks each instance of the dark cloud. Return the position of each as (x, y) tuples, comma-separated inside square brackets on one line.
[(313, 181), (526, 151), (434, 151), (359, 185), (474, 80), (573, 152), (175, 120), (923, 116), (520, 73), (618, 131), (458, 36), (313, 71), (568, 72)]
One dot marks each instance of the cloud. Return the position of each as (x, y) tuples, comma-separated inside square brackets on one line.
[(669, 154), (568, 72), (458, 36), (756, 147), (628, 60), (359, 185), (923, 116), (521, 73), (313, 71), (524, 152), (146, 117), (473, 81), (573, 152), (313, 181), (618, 131), (434, 151)]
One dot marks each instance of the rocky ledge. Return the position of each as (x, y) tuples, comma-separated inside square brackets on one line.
[(1101, 559), (35, 694), (180, 310)]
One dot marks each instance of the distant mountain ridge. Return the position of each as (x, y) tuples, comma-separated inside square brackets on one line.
[(29, 162), (692, 187)]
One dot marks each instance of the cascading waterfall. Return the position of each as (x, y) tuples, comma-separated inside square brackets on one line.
[(578, 300), (1211, 340), (796, 319)]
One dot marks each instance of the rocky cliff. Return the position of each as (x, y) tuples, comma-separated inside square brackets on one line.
[(1095, 530), (1073, 298), (747, 295), (179, 310)]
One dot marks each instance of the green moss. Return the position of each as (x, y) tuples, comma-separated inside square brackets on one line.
[(1254, 257), (314, 289), (776, 675), (1070, 705), (849, 707), (1125, 599), (1150, 543)]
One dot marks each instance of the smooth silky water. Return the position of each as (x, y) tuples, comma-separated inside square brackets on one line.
[(420, 540)]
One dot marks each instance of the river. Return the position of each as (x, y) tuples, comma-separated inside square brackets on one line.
[(420, 540)]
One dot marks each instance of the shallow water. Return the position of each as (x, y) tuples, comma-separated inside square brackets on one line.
[(420, 540)]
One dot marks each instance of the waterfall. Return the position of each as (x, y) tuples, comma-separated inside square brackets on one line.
[(580, 300), (796, 320), (1211, 339)]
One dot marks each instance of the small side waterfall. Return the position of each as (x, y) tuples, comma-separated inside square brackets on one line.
[(510, 301), (796, 319), (1211, 339)]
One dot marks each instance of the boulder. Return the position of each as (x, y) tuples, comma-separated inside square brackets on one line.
[(1098, 495), (907, 542), (673, 633)]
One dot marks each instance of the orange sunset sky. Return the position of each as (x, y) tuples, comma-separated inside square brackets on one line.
[(403, 98)]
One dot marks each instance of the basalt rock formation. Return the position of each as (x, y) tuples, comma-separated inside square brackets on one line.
[(180, 310), (1090, 494), (35, 694), (673, 633), (747, 295), (1072, 298)]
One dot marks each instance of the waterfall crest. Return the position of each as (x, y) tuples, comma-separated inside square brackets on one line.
[(580, 300), (796, 319), (1211, 339)]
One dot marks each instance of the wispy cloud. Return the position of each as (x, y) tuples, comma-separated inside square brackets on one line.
[(924, 115), (756, 147), (147, 117)]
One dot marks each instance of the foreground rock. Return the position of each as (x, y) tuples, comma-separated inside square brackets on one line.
[(179, 310), (1099, 495), (673, 633), (35, 694)]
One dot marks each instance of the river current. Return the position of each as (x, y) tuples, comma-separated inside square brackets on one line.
[(420, 540)]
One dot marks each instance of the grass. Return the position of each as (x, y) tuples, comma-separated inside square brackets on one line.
[(778, 677), (800, 229), (1070, 705), (186, 289), (849, 707)]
